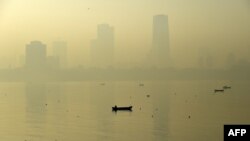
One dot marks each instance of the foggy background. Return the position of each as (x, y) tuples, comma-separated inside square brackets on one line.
[(180, 63), (214, 30)]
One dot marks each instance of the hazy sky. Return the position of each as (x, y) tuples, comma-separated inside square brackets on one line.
[(215, 26)]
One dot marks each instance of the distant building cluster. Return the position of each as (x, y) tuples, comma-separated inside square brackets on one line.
[(102, 49), (36, 56)]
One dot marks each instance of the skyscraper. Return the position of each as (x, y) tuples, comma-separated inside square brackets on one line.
[(160, 54), (60, 52), (102, 48), (35, 55)]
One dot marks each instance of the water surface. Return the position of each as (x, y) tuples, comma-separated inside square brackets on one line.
[(77, 111)]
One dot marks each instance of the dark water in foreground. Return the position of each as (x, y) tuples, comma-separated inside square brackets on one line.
[(77, 111)]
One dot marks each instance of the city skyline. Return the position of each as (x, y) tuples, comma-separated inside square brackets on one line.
[(102, 50), (220, 27)]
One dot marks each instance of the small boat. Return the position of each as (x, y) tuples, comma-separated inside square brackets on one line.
[(141, 85), (218, 90), (226, 87), (103, 84), (115, 108)]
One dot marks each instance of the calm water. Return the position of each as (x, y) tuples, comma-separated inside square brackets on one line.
[(81, 111)]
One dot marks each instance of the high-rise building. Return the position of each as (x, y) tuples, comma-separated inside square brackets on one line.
[(160, 54), (35, 57), (102, 48), (60, 52)]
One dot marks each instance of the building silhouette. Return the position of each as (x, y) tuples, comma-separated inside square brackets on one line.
[(60, 53), (35, 57), (160, 53), (102, 48)]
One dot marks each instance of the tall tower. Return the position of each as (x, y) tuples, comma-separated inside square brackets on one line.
[(35, 55), (60, 52), (160, 47), (102, 48)]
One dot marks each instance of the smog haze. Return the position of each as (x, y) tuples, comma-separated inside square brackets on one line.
[(197, 28)]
